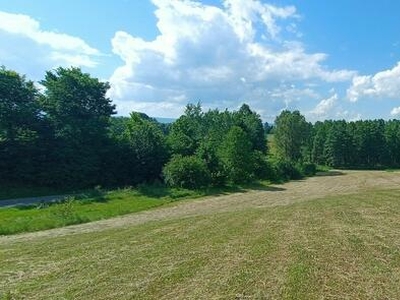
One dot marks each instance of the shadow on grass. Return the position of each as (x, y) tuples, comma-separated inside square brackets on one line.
[(267, 188), (330, 173), (162, 191), (154, 191), (83, 198), (257, 186), (96, 195)]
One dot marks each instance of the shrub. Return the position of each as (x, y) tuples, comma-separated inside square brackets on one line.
[(186, 172), (286, 170), (308, 169), (263, 168)]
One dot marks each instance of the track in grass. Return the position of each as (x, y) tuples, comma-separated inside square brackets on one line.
[(326, 237)]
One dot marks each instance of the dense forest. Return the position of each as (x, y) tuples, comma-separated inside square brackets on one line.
[(66, 135)]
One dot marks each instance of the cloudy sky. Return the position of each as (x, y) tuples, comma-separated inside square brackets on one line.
[(329, 59)]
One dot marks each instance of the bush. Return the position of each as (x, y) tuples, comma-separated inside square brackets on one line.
[(308, 169), (263, 168), (186, 172), (286, 170)]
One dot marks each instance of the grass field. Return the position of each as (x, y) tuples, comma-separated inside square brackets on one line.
[(88, 207), (328, 237)]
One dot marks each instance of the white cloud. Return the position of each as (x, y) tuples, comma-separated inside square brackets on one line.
[(324, 108), (24, 42), (384, 84), (347, 115), (243, 13), (395, 111), (332, 108), (217, 55)]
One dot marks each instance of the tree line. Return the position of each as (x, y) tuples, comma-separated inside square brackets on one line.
[(363, 144), (65, 134)]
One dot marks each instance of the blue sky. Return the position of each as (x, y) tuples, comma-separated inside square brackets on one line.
[(329, 59)]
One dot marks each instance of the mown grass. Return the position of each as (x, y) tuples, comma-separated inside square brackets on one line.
[(96, 205), (343, 247)]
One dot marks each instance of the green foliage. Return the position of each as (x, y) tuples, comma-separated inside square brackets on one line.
[(251, 123), (287, 170), (186, 172), (308, 169), (187, 131), (361, 144), (291, 134), (65, 138), (147, 146), (236, 155), (392, 140), (20, 123), (263, 168), (338, 146), (208, 152), (228, 142), (78, 111)]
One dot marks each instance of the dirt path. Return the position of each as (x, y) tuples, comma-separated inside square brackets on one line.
[(296, 191)]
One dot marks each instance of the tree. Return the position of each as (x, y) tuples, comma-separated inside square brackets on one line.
[(338, 147), (19, 126), (147, 147), (291, 134), (237, 156), (76, 106), (186, 132), (268, 128), (392, 137), (251, 123)]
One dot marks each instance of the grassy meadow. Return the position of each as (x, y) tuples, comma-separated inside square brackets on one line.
[(327, 237)]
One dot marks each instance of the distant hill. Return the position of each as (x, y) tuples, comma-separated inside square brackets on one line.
[(165, 120)]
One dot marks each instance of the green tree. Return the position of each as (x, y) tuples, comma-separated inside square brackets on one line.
[(76, 106), (237, 156), (147, 146), (251, 123), (20, 122), (187, 132), (292, 133), (338, 147), (392, 137), (320, 133)]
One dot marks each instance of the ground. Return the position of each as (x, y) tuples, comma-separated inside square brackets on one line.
[(326, 237)]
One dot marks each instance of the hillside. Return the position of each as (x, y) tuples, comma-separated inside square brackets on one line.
[(327, 236)]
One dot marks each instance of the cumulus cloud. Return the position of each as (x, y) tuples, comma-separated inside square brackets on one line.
[(23, 42), (395, 111), (324, 108), (219, 55), (384, 84), (333, 108)]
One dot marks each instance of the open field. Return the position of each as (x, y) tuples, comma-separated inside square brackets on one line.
[(327, 237)]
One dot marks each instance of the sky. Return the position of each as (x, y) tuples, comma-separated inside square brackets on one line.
[(329, 59)]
